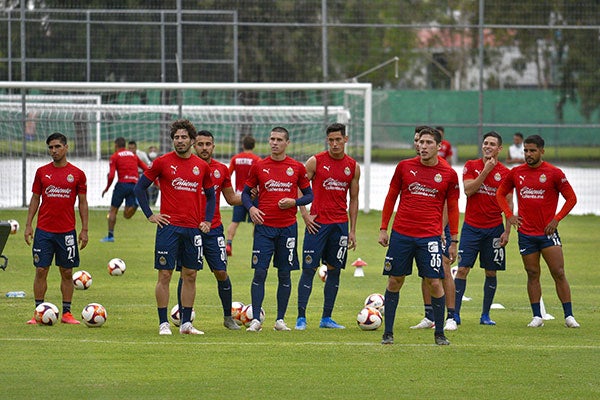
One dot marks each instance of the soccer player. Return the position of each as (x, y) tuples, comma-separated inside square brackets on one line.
[(445, 147), (141, 154), (423, 184), (56, 186), (240, 164), (538, 185), (483, 231), (278, 177), (182, 177), (327, 238), (515, 151), (125, 163)]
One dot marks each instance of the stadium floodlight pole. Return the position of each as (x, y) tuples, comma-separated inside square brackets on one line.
[(480, 116)]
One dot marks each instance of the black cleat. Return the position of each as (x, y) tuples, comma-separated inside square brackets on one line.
[(388, 338), (441, 340)]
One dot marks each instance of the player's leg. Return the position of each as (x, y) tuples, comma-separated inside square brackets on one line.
[(67, 258), (335, 254), (166, 249), (131, 204), (427, 321), (190, 252), (450, 294), (262, 250), (312, 251), (554, 258), (42, 252), (285, 259), (492, 259)]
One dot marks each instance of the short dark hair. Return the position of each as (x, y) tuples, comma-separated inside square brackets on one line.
[(519, 134), (419, 128), (185, 125), (57, 136), (206, 133), (120, 142), (535, 139), (437, 136), (336, 127), (280, 129), (440, 128), (494, 134), (132, 142), (248, 142)]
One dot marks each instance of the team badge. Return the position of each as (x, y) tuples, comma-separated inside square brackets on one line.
[(543, 178), (217, 174), (308, 259), (196, 170), (289, 171), (69, 240), (387, 266), (347, 171), (70, 178), (433, 247), (254, 259), (497, 177), (36, 258), (438, 178), (162, 260)]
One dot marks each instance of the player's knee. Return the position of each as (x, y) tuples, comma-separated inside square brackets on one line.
[(260, 276), (220, 275)]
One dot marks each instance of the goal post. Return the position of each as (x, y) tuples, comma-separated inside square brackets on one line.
[(93, 114)]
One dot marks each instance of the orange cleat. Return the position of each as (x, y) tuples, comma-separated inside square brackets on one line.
[(68, 318), (32, 321)]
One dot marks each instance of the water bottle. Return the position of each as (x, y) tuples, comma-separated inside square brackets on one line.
[(16, 294)]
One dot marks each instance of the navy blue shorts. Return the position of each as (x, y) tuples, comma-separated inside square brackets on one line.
[(329, 245), (427, 253), (46, 245), (213, 248), (123, 191), (486, 243), (279, 243), (533, 244), (447, 242), (175, 246), (240, 214)]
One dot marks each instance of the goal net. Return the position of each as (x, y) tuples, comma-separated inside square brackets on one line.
[(93, 115)]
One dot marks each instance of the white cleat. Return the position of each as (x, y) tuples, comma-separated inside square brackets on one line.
[(281, 326), (425, 323), (188, 329), (570, 322), (164, 329), (536, 322), (450, 325), (255, 326)]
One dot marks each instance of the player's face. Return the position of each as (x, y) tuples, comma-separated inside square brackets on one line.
[(57, 150), (337, 143), (278, 143), (182, 142), (416, 142), (428, 148), (490, 148), (204, 147), (533, 154)]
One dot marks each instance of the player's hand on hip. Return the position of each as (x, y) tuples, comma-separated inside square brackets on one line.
[(159, 219), (205, 226), (384, 238), (311, 225), (551, 227)]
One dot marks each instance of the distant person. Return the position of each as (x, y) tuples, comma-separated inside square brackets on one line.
[(445, 147), (125, 164), (132, 146), (56, 186), (240, 164), (538, 185), (516, 154)]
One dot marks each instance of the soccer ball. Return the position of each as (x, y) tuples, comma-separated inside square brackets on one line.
[(369, 319), (82, 280), (376, 301), (14, 226), (247, 315), (176, 316), (116, 267), (46, 314), (94, 315), (323, 272), (236, 311)]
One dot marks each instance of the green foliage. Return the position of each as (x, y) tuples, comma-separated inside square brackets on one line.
[(127, 359)]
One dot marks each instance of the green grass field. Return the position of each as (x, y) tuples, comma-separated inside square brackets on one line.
[(127, 359)]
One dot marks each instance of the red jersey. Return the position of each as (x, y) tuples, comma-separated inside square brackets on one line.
[(181, 183), (330, 183), (482, 209), (125, 163), (537, 195), (423, 191), (277, 180), (221, 179), (58, 188), (445, 150), (241, 164)]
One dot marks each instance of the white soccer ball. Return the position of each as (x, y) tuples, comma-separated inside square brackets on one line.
[(116, 267), (14, 226), (369, 319), (323, 272), (46, 314), (82, 280), (176, 316), (376, 301), (236, 311), (248, 315), (94, 315)]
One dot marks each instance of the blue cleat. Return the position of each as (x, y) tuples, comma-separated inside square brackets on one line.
[(300, 324), (108, 239), (457, 318), (486, 320), (330, 324)]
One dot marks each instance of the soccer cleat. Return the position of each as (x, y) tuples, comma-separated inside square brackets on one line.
[(230, 324), (108, 239), (300, 324), (570, 322), (457, 318), (164, 329), (281, 326), (388, 338), (328, 323), (188, 329), (425, 323), (450, 325), (486, 320), (32, 321), (68, 318), (255, 326), (441, 340), (228, 249), (536, 322)]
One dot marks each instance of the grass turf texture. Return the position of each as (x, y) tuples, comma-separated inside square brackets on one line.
[(126, 358)]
